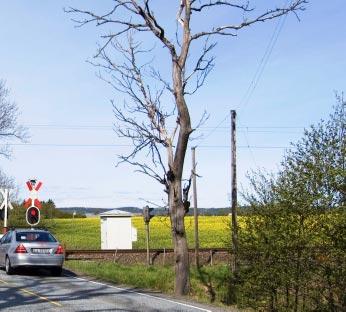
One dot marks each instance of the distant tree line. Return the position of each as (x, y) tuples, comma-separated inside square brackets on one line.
[(48, 212), (243, 210)]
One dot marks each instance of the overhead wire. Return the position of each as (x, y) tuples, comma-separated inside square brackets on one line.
[(110, 127), (129, 145), (251, 152), (215, 128), (258, 74), (264, 61), (218, 127)]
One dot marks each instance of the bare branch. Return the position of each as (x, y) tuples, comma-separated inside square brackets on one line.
[(202, 68), (228, 30), (9, 128), (156, 74), (202, 120), (211, 4), (151, 22), (180, 11), (143, 168)]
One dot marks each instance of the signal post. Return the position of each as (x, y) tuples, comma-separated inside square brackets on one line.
[(147, 215), (33, 205)]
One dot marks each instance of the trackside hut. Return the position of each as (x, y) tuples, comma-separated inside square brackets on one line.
[(117, 231)]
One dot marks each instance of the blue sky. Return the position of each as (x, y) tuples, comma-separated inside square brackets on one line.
[(64, 105)]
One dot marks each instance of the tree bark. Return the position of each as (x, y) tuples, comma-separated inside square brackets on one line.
[(181, 255), (176, 165)]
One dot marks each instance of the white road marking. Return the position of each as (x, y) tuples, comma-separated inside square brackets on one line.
[(141, 294)]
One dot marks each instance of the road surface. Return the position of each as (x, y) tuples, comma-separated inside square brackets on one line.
[(38, 291)]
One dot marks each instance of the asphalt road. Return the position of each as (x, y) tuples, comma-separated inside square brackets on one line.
[(38, 291)]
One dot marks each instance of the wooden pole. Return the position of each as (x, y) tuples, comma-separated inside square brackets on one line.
[(147, 236), (195, 211), (234, 195)]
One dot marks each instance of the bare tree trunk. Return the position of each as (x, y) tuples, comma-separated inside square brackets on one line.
[(181, 253), (176, 165)]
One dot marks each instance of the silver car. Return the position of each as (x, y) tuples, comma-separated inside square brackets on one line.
[(31, 248)]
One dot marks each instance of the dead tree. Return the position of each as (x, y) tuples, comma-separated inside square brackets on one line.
[(9, 128), (146, 116)]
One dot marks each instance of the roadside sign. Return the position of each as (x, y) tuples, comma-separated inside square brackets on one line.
[(4, 207), (33, 205), (33, 200)]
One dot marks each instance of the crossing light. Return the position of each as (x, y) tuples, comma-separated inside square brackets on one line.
[(147, 214), (33, 215)]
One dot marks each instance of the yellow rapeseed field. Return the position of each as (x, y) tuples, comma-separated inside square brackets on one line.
[(214, 231)]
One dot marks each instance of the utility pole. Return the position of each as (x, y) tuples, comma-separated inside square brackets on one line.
[(234, 195), (195, 212), (147, 232)]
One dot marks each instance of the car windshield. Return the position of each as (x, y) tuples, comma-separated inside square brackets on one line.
[(35, 237)]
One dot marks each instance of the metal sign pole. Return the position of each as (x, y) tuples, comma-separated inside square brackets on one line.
[(5, 214)]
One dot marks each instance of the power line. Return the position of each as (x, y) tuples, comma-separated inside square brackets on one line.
[(77, 127), (67, 145), (251, 153), (58, 126), (264, 60), (215, 128), (245, 146), (129, 145)]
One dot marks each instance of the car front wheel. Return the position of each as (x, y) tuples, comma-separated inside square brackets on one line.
[(8, 268)]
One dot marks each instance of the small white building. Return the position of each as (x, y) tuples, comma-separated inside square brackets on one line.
[(117, 231)]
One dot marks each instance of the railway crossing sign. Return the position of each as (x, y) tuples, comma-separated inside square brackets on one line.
[(4, 207), (32, 204), (33, 187)]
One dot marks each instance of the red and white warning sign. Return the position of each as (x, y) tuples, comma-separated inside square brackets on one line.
[(33, 187)]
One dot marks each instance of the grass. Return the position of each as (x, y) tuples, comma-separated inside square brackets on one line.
[(141, 276), (84, 233), (208, 285)]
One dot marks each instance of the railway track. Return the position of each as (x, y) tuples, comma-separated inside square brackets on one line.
[(160, 256)]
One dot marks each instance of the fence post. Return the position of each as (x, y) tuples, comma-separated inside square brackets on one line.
[(115, 254)]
